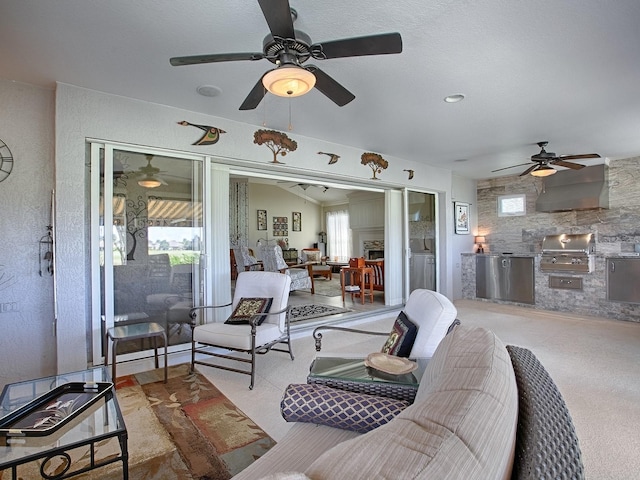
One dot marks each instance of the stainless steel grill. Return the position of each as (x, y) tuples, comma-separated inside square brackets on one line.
[(568, 253)]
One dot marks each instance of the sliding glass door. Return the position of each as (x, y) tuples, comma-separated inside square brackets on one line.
[(421, 221), (148, 231)]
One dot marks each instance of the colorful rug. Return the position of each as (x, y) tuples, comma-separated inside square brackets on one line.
[(298, 313), (184, 429)]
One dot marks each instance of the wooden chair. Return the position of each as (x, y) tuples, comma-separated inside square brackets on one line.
[(378, 274), (319, 269)]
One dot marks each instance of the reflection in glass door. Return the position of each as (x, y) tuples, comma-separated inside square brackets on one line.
[(422, 240), (150, 243)]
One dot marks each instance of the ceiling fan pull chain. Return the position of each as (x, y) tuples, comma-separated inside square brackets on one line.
[(290, 126), (264, 111)]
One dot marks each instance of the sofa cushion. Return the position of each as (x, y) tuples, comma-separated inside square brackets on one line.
[(358, 412), (400, 340), (462, 425), (303, 443)]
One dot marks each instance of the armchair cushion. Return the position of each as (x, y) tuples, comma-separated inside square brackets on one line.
[(247, 308), (236, 337), (402, 336), (311, 256), (357, 412)]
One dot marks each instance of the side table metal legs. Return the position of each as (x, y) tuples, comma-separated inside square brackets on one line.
[(135, 331)]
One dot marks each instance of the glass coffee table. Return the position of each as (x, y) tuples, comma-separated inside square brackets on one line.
[(353, 375), (70, 450)]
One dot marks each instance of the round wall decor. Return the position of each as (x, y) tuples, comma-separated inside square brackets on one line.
[(6, 161)]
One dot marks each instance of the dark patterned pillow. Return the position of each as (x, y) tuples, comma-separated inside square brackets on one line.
[(247, 308), (401, 338), (322, 405)]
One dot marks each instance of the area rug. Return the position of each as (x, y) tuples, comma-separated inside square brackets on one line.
[(298, 313), (184, 429), (327, 288)]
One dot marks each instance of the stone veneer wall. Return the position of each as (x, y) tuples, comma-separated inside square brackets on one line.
[(616, 229)]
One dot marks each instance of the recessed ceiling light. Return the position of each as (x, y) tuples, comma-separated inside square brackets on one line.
[(454, 98), (208, 90)]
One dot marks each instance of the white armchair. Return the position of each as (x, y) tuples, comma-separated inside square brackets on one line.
[(273, 261), (432, 312), (253, 337)]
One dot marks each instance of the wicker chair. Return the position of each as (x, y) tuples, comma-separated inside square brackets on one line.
[(546, 440)]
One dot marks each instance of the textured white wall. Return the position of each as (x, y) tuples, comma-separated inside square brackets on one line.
[(26, 299), (82, 114)]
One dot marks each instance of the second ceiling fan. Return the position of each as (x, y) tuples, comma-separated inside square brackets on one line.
[(289, 49), (544, 160)]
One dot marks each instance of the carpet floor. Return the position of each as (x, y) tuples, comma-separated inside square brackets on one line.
[(298, 313), (184, 429)]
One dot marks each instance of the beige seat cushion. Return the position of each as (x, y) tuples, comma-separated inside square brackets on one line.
[(462, 425), (235, 336)]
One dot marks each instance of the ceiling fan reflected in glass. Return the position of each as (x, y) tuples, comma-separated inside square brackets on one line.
[(305, 186), (149, 175), (289, 49), (544, 162)]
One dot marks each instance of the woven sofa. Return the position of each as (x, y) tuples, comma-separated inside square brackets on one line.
[(483, 411)]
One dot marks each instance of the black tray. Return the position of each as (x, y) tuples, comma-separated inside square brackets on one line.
[(52, 410)]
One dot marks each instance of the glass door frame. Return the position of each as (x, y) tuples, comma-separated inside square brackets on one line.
[(406, 236), (96, 146)]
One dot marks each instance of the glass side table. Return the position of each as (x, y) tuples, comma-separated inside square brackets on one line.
[(353, 375), (134, 331), (96, 425)]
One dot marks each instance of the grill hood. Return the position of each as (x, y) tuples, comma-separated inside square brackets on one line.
[(584, 189)]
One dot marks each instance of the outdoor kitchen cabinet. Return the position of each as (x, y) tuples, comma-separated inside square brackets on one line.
[(505, 277), (623, 279)]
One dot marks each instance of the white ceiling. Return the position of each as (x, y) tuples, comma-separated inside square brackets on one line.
[(566, 71)]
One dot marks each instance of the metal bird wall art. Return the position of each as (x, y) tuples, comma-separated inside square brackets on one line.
[(334, 158), (410, 173), (211, 134)]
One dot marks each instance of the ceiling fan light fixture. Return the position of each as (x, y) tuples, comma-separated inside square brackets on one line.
[(289, 81), (458, 97), (543, 171), (149, 182)]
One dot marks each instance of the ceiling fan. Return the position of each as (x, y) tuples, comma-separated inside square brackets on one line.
[(544, 161), (305, 186), (289, 49), (148, 175)]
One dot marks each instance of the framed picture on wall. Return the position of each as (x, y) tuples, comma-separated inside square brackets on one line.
[(280, 226), (262, 219), (296, 221), (461, 211)]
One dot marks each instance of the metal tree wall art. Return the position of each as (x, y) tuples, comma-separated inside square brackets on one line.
[(211, 134), (375, 162), (137, 223), (279, 143)]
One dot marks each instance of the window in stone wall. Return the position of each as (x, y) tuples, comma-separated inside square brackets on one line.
[(512, 205)]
